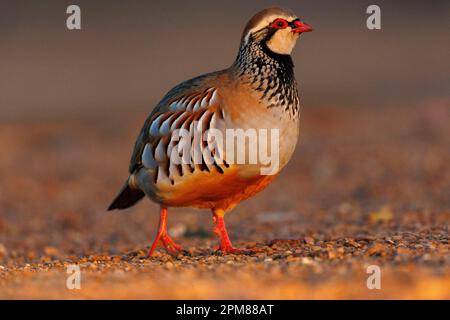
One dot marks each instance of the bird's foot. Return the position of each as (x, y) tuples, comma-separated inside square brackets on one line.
[(163, 237), (168, 243), (171, 246), (225, 246)]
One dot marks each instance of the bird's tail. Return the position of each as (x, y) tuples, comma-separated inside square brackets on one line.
[(126, 198)]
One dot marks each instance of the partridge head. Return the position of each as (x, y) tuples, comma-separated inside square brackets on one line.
[(277, 29)]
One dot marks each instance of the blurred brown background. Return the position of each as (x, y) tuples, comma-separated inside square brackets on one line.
[(128, 54)]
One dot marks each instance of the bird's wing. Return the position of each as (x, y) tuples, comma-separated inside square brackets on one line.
[(193, 105)]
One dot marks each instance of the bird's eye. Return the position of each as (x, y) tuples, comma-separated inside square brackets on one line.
[(279, 24)]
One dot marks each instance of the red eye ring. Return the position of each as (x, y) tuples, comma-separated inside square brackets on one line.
[(279, 24)]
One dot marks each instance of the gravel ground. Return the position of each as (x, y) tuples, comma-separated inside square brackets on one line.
[(367, 186)]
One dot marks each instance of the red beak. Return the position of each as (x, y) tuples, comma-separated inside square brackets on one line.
[(300, 27)]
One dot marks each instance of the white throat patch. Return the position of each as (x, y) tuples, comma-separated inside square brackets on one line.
[(283, 41)]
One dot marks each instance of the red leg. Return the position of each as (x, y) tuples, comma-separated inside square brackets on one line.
[(163, 237), (220, 230)]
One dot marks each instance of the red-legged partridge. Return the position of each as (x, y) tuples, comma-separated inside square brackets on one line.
[(257, 94)]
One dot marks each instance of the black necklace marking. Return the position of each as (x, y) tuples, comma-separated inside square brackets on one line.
[(270, 73)]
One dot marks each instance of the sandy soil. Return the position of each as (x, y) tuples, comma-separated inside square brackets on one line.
[(367, 186)]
